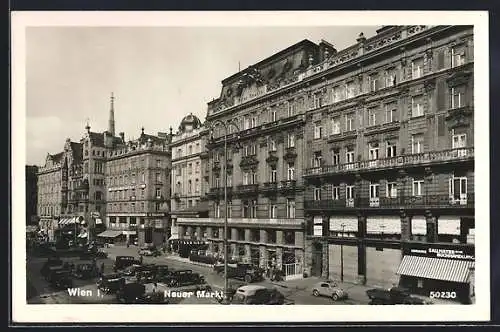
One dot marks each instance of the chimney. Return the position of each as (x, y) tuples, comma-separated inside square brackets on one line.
[(122, 135), (111, 123)]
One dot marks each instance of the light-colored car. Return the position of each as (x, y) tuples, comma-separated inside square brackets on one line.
[(330, 289)]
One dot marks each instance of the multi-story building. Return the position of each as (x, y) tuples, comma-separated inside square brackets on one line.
[(390, 160), (264, 109), (188, 184), (137, 178), (31, 195), (49, 197)]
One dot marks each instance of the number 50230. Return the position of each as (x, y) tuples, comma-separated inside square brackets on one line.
[(442, 295)]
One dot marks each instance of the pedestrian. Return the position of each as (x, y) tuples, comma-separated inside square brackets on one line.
[(140, 260), (102, 268), (128, 244)]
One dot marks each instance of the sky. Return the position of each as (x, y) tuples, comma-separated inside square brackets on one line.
[(157, 74)]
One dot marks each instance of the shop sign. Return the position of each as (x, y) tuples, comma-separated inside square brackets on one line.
[(350, 224), (418, 226), (383, 225), (318, 226), (443, 253), (153, 214)]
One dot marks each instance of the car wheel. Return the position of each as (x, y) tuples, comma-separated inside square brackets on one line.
[(335, 297), (315, 292)]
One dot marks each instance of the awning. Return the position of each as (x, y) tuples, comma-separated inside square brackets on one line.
[(173, 237), (110, 233), (82, 235), (435, 268), (68, 221), (98, 221)]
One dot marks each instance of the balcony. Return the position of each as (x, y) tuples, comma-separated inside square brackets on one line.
[(269, 187), (288, 186), (403, 202), (273, 157), (252, 222), (411, 160), (248, 189), (219, 192), (249, 161)]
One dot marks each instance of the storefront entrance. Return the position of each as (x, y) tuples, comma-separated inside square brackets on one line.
[(317, 259), (382, 266), (348, 256)]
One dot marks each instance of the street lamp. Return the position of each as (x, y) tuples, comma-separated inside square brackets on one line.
[(224, 170), (342, 255)]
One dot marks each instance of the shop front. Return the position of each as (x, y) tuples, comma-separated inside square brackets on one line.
[(446, 270), (382, 260)]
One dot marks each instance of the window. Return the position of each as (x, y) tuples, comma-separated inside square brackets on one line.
[(373, 151), (374, 83), (253, 150), (349, 192), (457, 56), (457, 97), (272, 144), (142, 192), (246, 178), (317, 130), (335, 157), (458, 140), (189, 186), (317, 194), (217, 182), (272, 114), (291, 108), (335, 126), (374, 190), (216, 156), (197, 169), (335, 193), (390, 77), (190, 168), (216, 210), (291, 140), (273, 211), (458, 189), (417, 143), (337, 94), (253, 176), (390, 150), (158, 177), (246, 209), (372, 116), (254, 209), (158, 192), (246, 121), (317, 159), (391, 112), (143, 177), (417, 68), (197, 186), (318, 100), (158, 163), (157, 206), (418, 188), (179, 153), (349, 122), (350, 90), (392, 189), (417, 108), (273, 175), (132, 179), (229, 209), (190, 149), (291, 171), (253, 121), (349, 155), (290, 208)]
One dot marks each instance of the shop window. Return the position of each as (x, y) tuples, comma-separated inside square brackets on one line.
[(420, 283)]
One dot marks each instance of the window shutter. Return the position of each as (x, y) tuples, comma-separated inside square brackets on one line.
[(441, 125), (440, 59), (440, 100)]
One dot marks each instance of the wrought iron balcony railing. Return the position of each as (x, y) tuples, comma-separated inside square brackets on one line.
[(288, 185), (443, 156), (248, 189), (269, 187)]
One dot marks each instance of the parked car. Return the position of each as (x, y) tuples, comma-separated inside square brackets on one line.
[(130, 270), (131, 293), (393, 295), (161, 270), (85, 271), (60, 278), (257, 294), (330, 289), (122, 262), (110, 283), (183, 277), (50, 263), (243, 271)]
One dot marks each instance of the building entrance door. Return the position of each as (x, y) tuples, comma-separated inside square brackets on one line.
[(317, 259)]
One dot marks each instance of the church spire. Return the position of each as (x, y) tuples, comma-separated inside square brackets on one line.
[(111, 124)]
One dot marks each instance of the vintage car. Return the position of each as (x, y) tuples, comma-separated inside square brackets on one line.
[(393, 295), (329, 288), (85, 271), (110, 283), (243, 271), (130, 270), (183, 277), (60, 278), (122, 262), (257, 294), (131, 293)]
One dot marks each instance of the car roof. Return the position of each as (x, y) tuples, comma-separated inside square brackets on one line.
[(185, 270), (112, 276), (250, 289)]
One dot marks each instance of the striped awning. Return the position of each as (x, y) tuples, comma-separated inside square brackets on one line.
[(110, 233), (68, 221), (435, 268)]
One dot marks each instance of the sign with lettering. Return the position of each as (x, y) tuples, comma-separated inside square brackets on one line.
[(418, 225), (346, 223), (467, 253), (153, 214), (386, 225)]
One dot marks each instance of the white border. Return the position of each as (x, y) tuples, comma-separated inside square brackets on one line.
[(23, 312)]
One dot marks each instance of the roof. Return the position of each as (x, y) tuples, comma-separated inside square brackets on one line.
[(77, 149), (250, 288), (96, 138), (155, 139), (57, 157), (190, 119)]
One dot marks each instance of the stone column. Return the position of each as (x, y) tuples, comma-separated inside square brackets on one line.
[(402, 179), (234, 234), (210, 232), (263, 236), (199, 236), (309, 221), (432, 227), (325, 269), (190, 232), (405, 225), (248, 254), (279, 258), (326, 225), (221, 233), (299, 239), (263, 256), (279, 237)]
